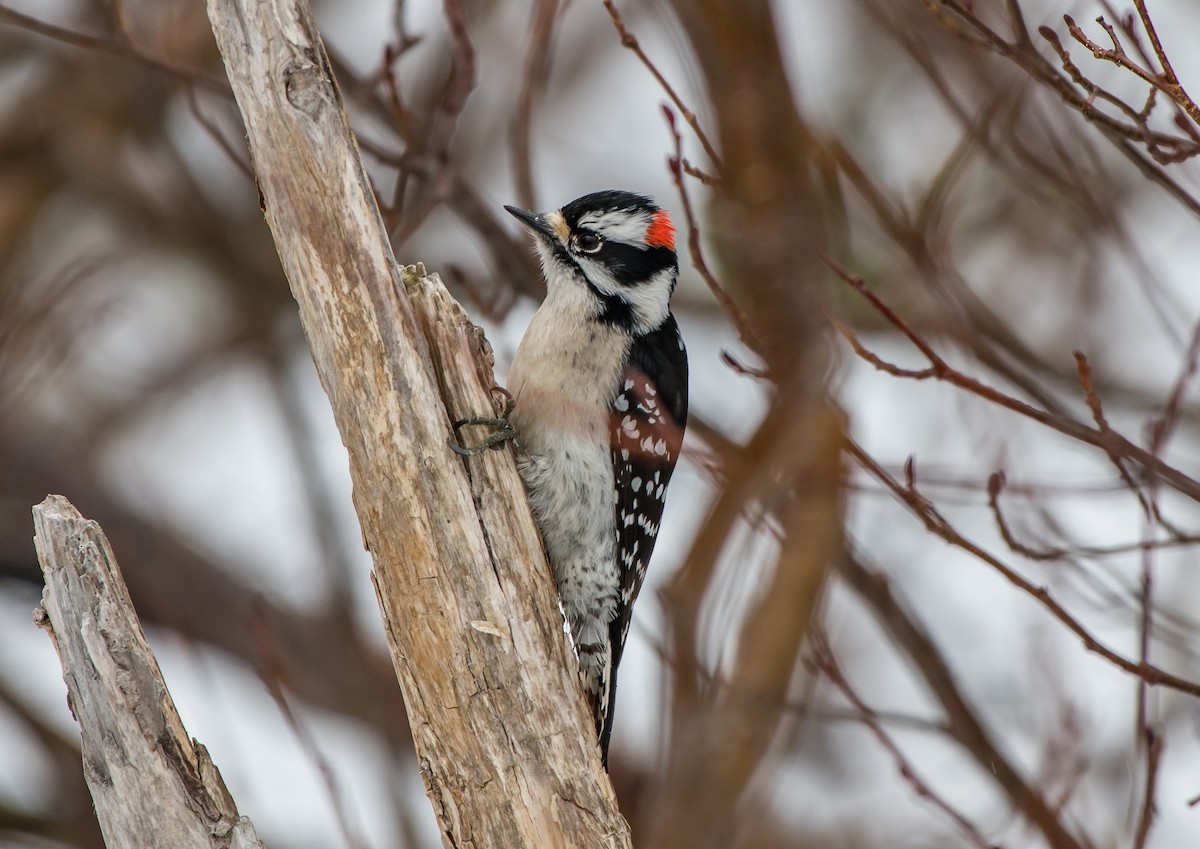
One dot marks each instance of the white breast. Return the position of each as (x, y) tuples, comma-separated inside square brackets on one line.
[(563, 379)]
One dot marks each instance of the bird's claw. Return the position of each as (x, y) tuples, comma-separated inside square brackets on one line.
[(503, 428)]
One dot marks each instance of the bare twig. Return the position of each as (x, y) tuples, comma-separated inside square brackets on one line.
[(1170, 78), (114, 47), (735, 313), (823, 660), (1107, 440), (628, 40), (997, 483), (537, 66), (873, 588), (1154, 749), (237, 157), (924, 509), (1167, 81), (1161, 429), (703, 176), (741, 368), (1084, 369), (875, 360), (1021, 53), (459, 85), (274, 675), (1116, 54)]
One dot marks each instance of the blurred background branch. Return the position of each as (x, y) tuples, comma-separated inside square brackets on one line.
[(1014, 185)]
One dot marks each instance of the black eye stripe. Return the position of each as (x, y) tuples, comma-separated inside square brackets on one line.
[(632, 266)]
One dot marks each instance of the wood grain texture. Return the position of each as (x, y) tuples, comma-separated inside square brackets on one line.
[(152, 784), (507, 752)]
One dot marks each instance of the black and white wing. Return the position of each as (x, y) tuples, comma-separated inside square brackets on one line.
[(649, 416)]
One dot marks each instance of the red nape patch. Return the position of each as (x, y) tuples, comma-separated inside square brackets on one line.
[(661, 232)]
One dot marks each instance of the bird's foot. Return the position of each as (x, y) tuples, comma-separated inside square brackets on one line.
[(503, 428)]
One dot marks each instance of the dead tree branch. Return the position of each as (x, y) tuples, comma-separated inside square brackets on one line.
[(151, 783)]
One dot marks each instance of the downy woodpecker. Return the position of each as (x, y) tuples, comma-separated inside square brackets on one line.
[(600, 387)]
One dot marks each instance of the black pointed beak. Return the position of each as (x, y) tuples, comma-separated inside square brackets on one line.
[(533, 220)]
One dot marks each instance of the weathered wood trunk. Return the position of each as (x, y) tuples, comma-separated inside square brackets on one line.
[(507, 751)]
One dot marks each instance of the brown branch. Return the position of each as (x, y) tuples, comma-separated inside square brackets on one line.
[(1022, 54), (1147, 740), (1166, 82), (236, 156), (823, 660), (703, 176), (1174, 89), (1167, 148), (743, 369), (729, 728), (997, 483), (875, 360), (874, 589), (1084, 369), (1116, 54), (1149, 809), (735, 313), (1162, 428), (923, 509), (275, 675), (1145, 498), (1163, 149), (122, 48), (459, 85), (1106, 440), (537, 67), (629, 41), (979, 329), (510, 258), (1155, 174)]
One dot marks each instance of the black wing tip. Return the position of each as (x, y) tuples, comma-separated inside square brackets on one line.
[(606, 727), (607, 710)]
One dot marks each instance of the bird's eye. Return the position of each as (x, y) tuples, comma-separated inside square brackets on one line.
[(589, 243)]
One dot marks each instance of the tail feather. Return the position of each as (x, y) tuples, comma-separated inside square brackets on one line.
[(596, 673), (604, 711)]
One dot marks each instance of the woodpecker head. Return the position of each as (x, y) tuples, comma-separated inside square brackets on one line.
[(617, 249)]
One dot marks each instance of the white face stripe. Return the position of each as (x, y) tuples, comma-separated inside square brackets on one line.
[(618, 225), (649, 302)]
